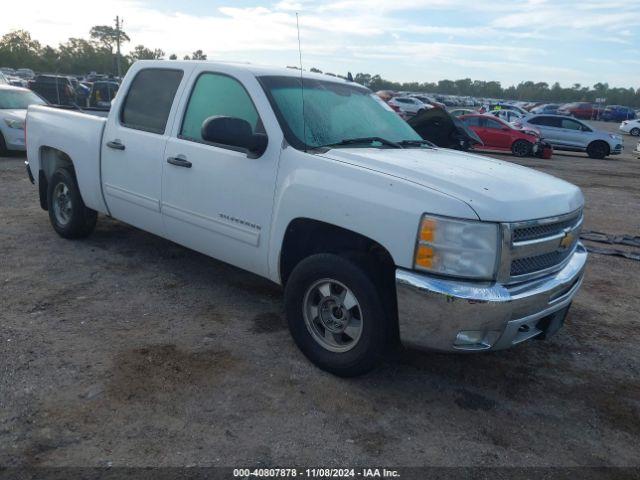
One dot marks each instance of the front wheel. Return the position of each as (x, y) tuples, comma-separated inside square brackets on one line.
[(521, 148), (635, 132), (68, 214), (598, 150), (336, 315)]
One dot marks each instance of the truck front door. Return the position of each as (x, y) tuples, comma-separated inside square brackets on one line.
[(215, 198), (133, 147)]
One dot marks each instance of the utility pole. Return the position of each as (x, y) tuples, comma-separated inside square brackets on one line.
[(118, 26)]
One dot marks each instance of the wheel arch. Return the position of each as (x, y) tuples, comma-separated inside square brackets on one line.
[(50, 159), (307, 236)]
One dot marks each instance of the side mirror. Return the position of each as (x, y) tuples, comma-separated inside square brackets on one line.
[(234, 132)]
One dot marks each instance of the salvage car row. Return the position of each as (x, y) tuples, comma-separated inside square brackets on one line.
[(507, 127)]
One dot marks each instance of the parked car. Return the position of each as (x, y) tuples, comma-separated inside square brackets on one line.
[(496, 134), (444, 130), (490, 107), (430, 101), (373, 233), (17, 82), (409, 105), (547, 108), (14, 102), (102, 93), (631, 127), (583, 110), (617, 113), (56, 89), (506, 115), (636, 152), (571, 134), (531, 105), (25, 73)]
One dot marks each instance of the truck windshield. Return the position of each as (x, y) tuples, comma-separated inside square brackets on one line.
[(18, 100), (334, 114)]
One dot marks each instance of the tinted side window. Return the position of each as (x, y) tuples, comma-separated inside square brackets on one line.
[(217, 94), (545, 121), (149, 99), (570, 124)]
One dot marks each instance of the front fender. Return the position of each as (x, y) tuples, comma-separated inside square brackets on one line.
[(380, 207)]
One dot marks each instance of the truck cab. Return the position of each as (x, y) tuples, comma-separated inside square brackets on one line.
[(315, 183)]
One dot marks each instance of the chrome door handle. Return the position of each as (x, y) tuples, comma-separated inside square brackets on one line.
[(116, 145), (179, 162)]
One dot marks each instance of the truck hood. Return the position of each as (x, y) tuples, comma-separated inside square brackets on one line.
[(496, 190)]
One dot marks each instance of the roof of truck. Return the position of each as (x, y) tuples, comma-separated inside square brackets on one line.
[(257, 70)]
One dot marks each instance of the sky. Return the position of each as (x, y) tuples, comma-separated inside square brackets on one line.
[(583, 41)]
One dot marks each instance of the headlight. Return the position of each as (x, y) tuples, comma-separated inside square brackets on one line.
[(615, 137), (460, 248), (18, 124)]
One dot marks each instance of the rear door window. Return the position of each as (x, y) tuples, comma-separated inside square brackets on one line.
[(490, 123), (570, 124), (149, 99)]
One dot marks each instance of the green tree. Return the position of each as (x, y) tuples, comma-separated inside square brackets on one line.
[(18, 48), (198, 55), (140, 52), (108, 36)]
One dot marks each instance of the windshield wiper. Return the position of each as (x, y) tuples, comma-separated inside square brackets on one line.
[(411, 143), (363, 140)]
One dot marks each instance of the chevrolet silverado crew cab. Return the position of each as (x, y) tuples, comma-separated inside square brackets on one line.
[(375, 235)]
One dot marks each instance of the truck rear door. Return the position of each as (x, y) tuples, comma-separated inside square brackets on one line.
[(216, 199), (133, 146)]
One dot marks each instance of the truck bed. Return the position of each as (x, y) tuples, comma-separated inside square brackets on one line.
[(77, 134)]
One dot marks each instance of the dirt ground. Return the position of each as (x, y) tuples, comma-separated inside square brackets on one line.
[(126, 349)]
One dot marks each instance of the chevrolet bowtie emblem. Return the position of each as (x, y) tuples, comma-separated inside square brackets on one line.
[(567, 240)]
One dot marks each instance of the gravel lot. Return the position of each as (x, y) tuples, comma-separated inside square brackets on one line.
[(126, 349)]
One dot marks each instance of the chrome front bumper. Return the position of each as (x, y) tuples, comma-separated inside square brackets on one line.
[(452, 315)]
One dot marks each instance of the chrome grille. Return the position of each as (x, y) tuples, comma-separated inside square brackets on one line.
[(522, 266), (540, 231), (540, 247)]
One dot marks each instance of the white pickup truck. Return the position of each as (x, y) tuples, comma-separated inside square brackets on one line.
[(375, 235)]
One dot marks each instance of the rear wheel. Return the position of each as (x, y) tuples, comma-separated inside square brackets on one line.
[(68, 214), (336, 315), (521, 148), (598, 150), (635, 132)]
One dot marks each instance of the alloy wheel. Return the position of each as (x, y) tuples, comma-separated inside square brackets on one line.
[(333, 315)]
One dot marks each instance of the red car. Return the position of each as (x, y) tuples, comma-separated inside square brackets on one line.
[(583, 110), (496, 134)]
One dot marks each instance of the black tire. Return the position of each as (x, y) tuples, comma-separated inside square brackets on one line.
[(598, 150), (76, 220), (521, 148), (3, 146), (635, 132), (376, 332)]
